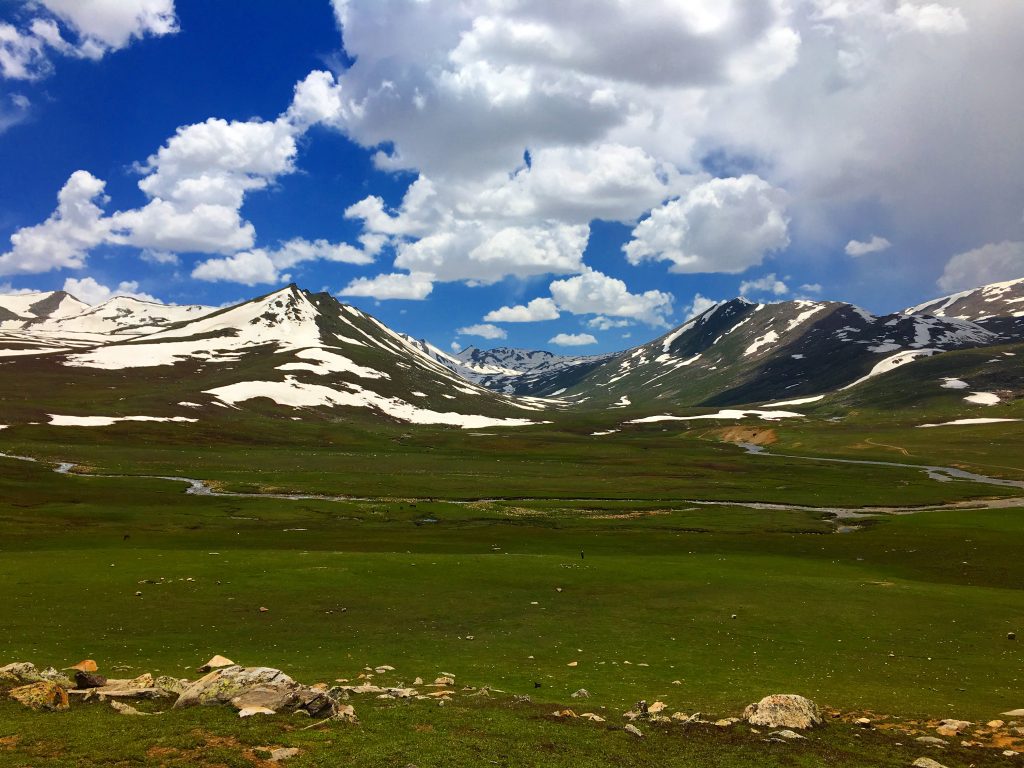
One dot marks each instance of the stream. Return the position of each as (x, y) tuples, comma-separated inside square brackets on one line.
[(198, 487)]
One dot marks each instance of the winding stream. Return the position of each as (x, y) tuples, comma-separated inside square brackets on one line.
[(198, 487)]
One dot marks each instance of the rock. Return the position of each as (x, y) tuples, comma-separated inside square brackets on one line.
[(956, 726), (565, 713), (1014, 713), (634, 730), (216, 663), (863, 721), (726, 722), (263, 609), (418, 681), (994, 724), (282, 753), (125, 709), (783, 711), (926, 762), (256, 687), (582, 693), (171, 686), (444, 680), (55, 676), (656, 707), (20, 672), (44, 696), (346, 713), (930, 741), (787, 734), (86, 665), (573, 664), (1011, 635), (85, 680), (592, 716), (251, 711), (1009, 753)]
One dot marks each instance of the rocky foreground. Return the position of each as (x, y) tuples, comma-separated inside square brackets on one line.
[(265, 691)]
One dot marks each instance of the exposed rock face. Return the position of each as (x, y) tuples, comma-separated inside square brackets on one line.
[(246, 687), (783, 710), (43, 696)]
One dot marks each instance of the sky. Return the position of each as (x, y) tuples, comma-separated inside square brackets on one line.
[(579, 176)]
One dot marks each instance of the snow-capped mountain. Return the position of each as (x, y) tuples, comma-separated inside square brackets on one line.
[(26, 309), (1004, 299), (515, 371), (293, 351), (741, 352)]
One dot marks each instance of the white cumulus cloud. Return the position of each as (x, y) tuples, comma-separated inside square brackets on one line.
[(572, 339), (596, 293), (484, 330), (414, 286), (90, 291), (875, 245), (534, 311), (766, 284), (991, 263)]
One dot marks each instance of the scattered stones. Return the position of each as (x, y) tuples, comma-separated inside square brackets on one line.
[(44, 696), (634, 730), (954, 726), (783, 711), (256, 687), (787, 734), (927, 762), (582, 693), (215, 663)]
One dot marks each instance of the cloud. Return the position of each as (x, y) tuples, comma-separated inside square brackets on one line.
[(723, 225), (603, 323), (67, 236), (484, 330), (456, 347), (767, 284), (991, 263), (534, 311), (875, 245), (94, 27), (262, 265), (596, 293), (699, 306), (811, 287), (414, 286), (91, 292), (572, 339)]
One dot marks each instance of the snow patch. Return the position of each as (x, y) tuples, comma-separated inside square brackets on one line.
[(948, 383), (799, 401), (769, 338), (983, 398), (57, 420), (892, 363), (963, 422), (727, 413)]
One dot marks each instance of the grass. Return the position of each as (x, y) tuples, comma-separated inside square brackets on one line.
[(908, 616)]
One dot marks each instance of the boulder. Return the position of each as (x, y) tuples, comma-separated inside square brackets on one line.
[(44, 696), (21, 672), (783, 710), (246, 687)]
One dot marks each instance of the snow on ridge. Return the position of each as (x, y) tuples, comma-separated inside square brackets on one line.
[(296, 394), (964, 422), (892, 363), (325, 361), (58, 420), (725, 413), (798, 401), (769, 338)]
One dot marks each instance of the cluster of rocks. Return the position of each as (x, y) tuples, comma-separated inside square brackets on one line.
[(250, 690)]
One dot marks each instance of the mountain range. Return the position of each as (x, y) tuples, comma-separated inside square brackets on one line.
[(296, 352)]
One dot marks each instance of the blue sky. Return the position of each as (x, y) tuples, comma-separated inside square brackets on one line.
[(576, 176)]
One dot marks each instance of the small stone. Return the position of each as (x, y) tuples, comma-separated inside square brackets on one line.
[(726, 722), (634, 730), (787, 734), (1011, 635), (656, 707), (1010, 753), (582, 693), (444, 680), (85, 680), (564, 713), (592, 716), (216, 663), (263, 609), (573, 664), (86, 665), (956, 726), (927, 762), (138, 593), (125, 709), (44, 696), (930, 741), (250, 711), (994, 724), (418, 681), (863, 721)]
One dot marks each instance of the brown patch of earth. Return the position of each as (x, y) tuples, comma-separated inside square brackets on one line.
[(752, 435)]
